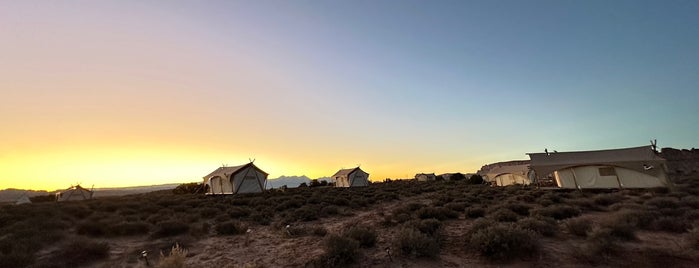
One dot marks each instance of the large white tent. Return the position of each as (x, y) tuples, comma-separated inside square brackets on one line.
[(74, 193), (638, 167), (507, 173), (246, 178), (351, 177)]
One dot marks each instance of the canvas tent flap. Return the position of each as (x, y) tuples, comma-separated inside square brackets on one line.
[(640, 159)]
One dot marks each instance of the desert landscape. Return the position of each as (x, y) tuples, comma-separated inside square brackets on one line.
[(388, 224)]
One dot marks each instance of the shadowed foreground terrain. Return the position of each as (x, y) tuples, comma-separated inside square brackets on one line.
[(394, 224)]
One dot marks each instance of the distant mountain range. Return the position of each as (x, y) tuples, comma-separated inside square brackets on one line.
[(292, 181), (11, 195)]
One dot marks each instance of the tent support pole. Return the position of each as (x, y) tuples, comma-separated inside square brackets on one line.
[(575, 180)]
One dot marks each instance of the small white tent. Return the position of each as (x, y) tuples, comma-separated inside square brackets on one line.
[(425, 177), (246, 178), (74, 193), (352, 177), (24, 199), (638, 167)]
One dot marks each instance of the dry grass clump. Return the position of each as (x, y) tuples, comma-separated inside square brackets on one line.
[(600, 246), (412, 242), (542, 225), (558, 212), (339, 251), (504, 215), (176, 259)]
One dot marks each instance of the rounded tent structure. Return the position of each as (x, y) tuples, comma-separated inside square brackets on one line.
[(507, 173), (425, 177), (246, 178), (638, 167), (74, 193), (353, 177)]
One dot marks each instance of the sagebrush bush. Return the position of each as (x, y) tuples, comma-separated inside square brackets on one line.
[(607, 199), (599, 247), (504, 215), (129, 228), (579, 226), (170, 228), (78, 252), (542, 225), (412, 242), (474, 212), (672, 224), (642, 219), (503, 241), (339, 250), (429, 227), (662, 202), (520, 209), (438, 213), (230, 228), (693, 238), (363, 234), (558, 212)]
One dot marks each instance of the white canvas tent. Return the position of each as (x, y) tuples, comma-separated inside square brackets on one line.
[(246, 178), (24, 199), (74, 193), (638, 167), (507, 173), (352, 177), (425, 177)]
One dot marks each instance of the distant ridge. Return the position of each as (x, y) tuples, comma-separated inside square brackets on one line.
[(292, 181)]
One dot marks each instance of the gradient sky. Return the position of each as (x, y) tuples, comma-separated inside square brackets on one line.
[(120, 93)]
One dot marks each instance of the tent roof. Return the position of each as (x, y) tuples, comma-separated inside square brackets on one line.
[(631, 158), (230, 170), (345, 172), (521, 169)]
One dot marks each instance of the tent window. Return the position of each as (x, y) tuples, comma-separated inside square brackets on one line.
[(607, 171)]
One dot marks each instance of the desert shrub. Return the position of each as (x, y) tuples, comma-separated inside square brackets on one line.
[(238, 212), (457, 177), (339, 250), (78, 252), (363, 234), (690, 201), (520, 209), (626, 206), (584, 204), (475, 179), (662, 202), (188, 188), (319, 231), (230, 228), (438, 213), (503, 241), (475, 212), (77, 211), (504, 215), (599, 247), (329, 210), (170, 228), (693, 238), (412, 242), (558, 212), (209, 212), (429, 227), (129, 228), (607, 199), (579, 226), (619, 228), (671, 224), (305, 213), (543, 226), (642, 219), (176, 259), (457, 206), (91, 228), (261, 218)]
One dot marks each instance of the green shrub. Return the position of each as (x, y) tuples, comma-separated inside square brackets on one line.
[(503, 241), (363, 234), (170, 228), (558, 212), (579, 226), (412, 242)]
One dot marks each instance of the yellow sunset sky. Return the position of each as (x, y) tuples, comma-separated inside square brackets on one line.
[(125, 93)]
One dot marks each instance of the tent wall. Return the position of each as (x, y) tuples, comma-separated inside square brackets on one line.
[(633, 179), (589, 177), (511, 179), (359, 178), (249, 180), (220, 185)]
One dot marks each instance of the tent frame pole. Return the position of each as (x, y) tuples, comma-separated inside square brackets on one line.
[(575, 180)]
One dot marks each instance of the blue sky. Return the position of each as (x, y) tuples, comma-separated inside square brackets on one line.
[(165, 90)]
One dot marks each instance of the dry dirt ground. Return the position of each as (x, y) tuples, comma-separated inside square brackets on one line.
[(270, 246)]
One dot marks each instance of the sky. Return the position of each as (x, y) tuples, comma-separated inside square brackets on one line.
[(124, 93)]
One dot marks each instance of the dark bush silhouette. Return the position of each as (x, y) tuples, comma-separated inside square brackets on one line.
[(189, 188)]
